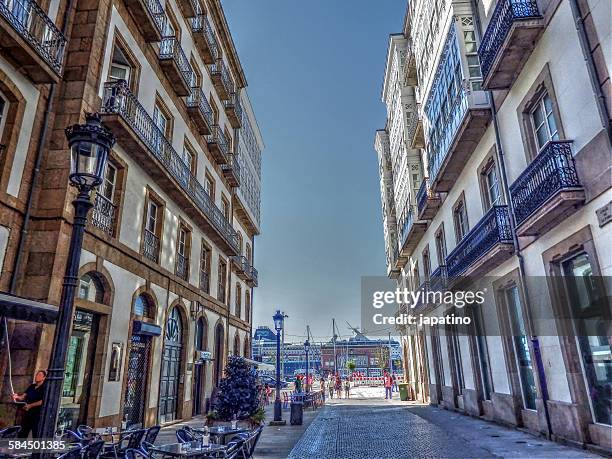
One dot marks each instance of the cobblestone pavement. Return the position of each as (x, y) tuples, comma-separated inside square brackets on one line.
[(369, 427)]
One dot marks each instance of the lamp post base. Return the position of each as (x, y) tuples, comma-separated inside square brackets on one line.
[(278, 413), (282, 422)]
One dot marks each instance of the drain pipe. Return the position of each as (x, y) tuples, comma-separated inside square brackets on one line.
[(42, 139), (600, 99), (515, 241)]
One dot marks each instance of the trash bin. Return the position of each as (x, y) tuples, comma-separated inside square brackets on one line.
[(403, 390), (297, 413)]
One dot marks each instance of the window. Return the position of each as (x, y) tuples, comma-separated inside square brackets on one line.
[(152, 230), (426, 264), (209, 186), (544, 122), (247, 306), (225, 207), (3, 113), (205, 268), (239, 243), (229, 138), (215, 109), (471, 51), (460, 219), (441, 247), (161, 120), (90, 289), (489, 185), (182, 252), (143, 306), (189, 158), (221, 280), (238, 311), (107, 189), (483, 354), (249, 253), (123, 64)]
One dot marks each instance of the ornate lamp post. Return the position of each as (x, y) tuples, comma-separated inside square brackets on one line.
[(307, 350), (89, 146), (279, 318)]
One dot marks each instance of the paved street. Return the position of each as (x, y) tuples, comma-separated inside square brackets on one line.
[(369, 427)]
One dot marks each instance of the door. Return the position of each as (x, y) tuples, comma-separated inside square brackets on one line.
[(199, 377), (171, 368), (136, 385), (219, 337), (79, 367)]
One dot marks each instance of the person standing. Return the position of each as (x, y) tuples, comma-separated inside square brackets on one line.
[(388, 382), (330, 386), (347, 388), (338, 386), (395, 389), (298, 383), (32, 400)]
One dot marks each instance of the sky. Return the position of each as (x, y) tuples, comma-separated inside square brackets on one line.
[(314, 71)]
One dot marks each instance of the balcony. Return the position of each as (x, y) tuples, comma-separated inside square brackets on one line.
[(392, 271), (150, 17), (438, 279), (221, 79), (205, 39), (200, 111), (103, 215), (188, 7), (204, 281), (176, 65), (244, 270), (412, 232), (410, 69), (182, 266), (487, 245), (138, 134), (253, 280), (400, 260), (416, 136), (455, 137), (233, 110), (428, 201), (508, 42), (231, 171), (547, 191), (30, 39), (150, 246), (218, 145)]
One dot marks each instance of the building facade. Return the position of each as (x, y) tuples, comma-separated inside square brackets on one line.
[(506, 119), (167, 261)]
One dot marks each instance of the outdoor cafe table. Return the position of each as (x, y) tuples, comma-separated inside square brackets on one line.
[(222, 433), (188, 449)]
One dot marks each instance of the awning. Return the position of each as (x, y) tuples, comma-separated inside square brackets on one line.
[(15, 307)]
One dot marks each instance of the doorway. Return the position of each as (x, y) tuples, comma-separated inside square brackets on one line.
[(171, 368)]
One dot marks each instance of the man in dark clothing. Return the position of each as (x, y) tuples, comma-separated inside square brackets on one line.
[(32, 400)]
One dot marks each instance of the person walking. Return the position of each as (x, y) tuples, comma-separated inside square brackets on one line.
[(330, 386), (268, 390), (347, 388), (388, 382), (338, 386), (298, 383), (32, 400)]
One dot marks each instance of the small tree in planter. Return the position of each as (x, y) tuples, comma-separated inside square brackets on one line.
[(351, 366), (238, 396)]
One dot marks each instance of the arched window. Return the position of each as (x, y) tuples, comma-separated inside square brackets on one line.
[(90, 288), (247, 348), (143, 306), (201, 335), (236, 344)]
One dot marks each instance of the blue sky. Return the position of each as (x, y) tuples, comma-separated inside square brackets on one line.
[(315, 72)]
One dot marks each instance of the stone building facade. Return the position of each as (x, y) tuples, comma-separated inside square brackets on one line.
[(506, 117), (167, 261)]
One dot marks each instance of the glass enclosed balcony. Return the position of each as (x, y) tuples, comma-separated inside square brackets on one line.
[(547, 191), (412, 232), (137, 134), (29, 38), (428, 201), (487, 245), (510, 38)]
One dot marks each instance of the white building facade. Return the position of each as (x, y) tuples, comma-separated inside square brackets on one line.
[(513, 139)]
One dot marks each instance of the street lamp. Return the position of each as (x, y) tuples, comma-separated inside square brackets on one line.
[(307, 350), (279, 318), (89, 146)]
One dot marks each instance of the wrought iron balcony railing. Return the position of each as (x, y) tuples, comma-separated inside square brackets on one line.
[(170, 48), (118, 99), (205, 37), (33, 24), (182, 266), (218, 139), (553, 170), (197, 100), (233, 109), (150, 246), (506, 12), (492, 229), (103, 215), (254, 276), (204, 281), (231, 170), (156, 10), (221, 78)]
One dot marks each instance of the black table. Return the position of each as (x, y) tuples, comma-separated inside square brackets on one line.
[(194, 449), (216, 432)]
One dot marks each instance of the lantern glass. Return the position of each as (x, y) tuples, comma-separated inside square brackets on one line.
[(88, 163), (278, 321)]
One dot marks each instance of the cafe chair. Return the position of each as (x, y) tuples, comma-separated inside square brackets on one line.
[(148, 440), (74, 453), (134, 454), (93, 450), (129, 439), (183, 435), (10, 432)]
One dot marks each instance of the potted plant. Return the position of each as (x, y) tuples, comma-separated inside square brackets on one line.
[(238, 394)]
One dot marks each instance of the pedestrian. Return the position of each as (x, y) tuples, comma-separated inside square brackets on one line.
[(388, 382), (268, 393), (395, 389), (330, 386), (298, 383), (338, 386), (32, 400), (322, 387), (347, 388)]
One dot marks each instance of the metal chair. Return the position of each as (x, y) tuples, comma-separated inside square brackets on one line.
[(134, 454), (130, 439), (93, 450), (10, 432), (148, 440), (74, 453), (183, 435)]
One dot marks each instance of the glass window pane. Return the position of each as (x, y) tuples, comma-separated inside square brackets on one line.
[(541, 136)]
